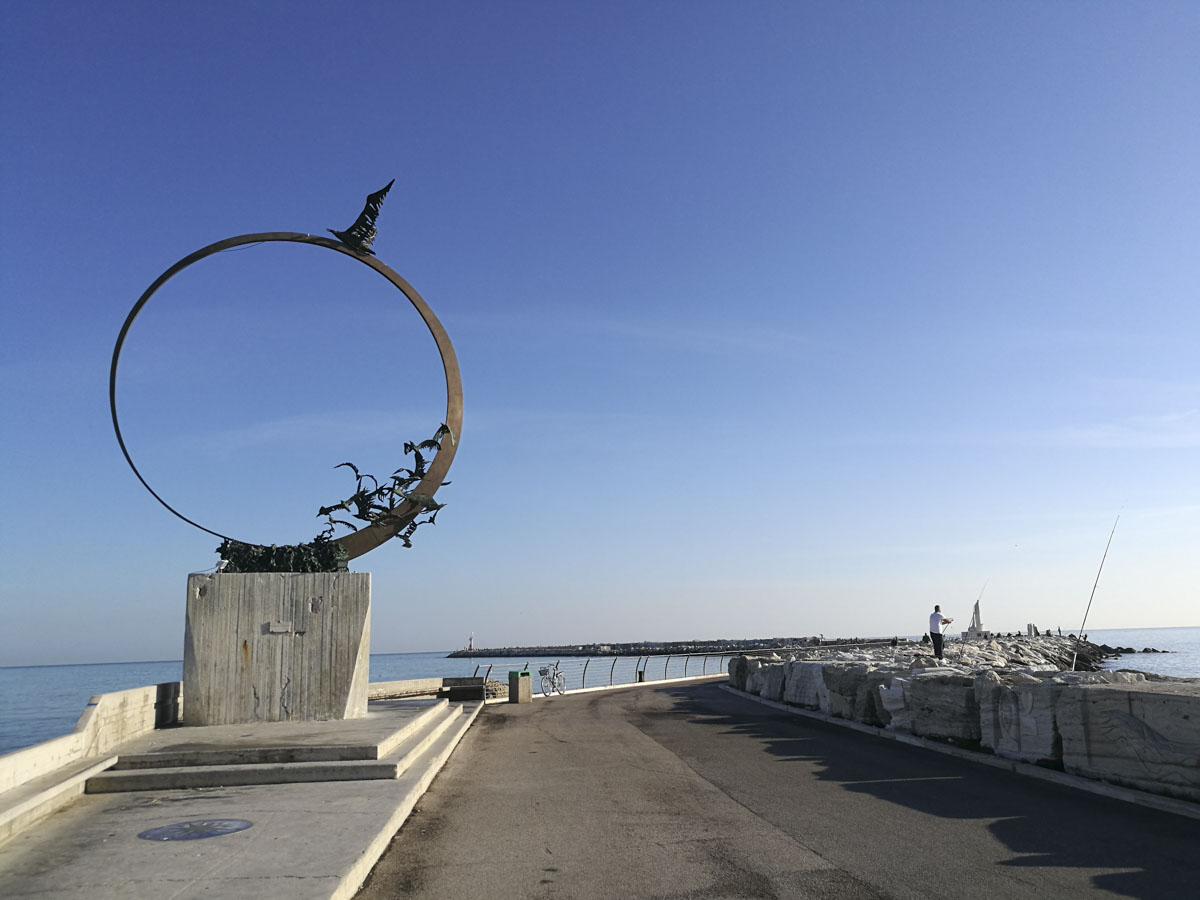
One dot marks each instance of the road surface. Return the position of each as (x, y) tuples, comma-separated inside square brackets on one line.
[(689, 791)]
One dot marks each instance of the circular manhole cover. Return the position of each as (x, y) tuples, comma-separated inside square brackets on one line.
[(195, 830)]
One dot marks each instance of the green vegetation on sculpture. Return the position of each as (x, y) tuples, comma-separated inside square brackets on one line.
[(319, 555), (373, 503)]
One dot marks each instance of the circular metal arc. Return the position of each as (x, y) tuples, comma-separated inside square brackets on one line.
[(373, 535)]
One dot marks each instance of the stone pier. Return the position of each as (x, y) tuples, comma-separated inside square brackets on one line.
[(1127, 728)]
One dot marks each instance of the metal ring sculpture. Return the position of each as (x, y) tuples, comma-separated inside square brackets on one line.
[(373, 535)]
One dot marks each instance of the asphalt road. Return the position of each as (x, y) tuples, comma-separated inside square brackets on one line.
[(689, 791)]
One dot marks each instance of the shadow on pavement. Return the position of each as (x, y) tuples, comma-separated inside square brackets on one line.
[(1042, 824)]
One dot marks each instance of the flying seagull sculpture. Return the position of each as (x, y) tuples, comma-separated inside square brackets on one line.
[(362, 232)]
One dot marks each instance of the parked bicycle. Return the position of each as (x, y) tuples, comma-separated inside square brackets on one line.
[(552, 679)]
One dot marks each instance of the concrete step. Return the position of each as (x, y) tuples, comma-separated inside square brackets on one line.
[(281, 753), (415, 782), (401, 750)]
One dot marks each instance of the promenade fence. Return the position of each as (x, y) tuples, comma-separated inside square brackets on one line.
[(607, 671)]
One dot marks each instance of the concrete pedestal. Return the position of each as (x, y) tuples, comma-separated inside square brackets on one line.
[(275, 647)]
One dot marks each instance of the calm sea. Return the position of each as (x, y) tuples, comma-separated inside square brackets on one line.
[(1184, 643), (41, 702)]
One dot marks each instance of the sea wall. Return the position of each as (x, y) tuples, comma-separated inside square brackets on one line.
[(107, 720), (35, 781), (1127, 728)]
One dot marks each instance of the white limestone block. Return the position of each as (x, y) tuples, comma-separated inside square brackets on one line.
[(737, 672), (773, 683), (805, 686), (1143, 735), (754, 676), (943, 705), (846, 684), (1017, 721), (894, 700)]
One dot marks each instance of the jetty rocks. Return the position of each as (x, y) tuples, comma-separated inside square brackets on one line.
[(1015, 698)]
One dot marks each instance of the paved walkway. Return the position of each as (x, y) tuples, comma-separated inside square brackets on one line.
[(689, 791)]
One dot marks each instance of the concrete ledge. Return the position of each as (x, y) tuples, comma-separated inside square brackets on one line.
[(637, 684), (33, 801), (388, 690), (107, 720), (36, 781), (1103, 789)]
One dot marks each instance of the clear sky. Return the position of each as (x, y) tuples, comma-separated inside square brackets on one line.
[(773, 318)]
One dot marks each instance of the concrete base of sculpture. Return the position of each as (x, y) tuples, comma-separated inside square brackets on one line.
[(276, 647)]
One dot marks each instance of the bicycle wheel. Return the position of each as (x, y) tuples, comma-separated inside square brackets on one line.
[(560, 682), (547, 686)]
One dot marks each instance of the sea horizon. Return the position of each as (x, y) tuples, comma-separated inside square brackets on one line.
[(130, 662), (44, 701)]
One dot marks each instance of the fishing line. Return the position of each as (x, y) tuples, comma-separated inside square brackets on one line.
[(1075, 655)]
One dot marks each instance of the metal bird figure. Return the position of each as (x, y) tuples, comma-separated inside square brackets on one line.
[(362, 232)]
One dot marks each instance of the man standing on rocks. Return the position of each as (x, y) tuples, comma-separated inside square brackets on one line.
[(937, 625)]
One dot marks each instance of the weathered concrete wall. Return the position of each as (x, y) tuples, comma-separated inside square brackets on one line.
[(271, 647), (1017, 719), (738, 666), (806, 686), (382, 690), (35, 781), (943, 706), (1143, 735), (107, 720), (1115, 726), (754, 676), (849, 688), (773, 682)]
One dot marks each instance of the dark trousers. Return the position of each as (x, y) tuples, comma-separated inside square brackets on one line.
[(937, 644)]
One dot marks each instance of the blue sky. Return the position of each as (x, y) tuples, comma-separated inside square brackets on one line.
[(773, 318)]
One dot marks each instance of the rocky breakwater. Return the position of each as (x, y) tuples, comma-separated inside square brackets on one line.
[(1012, 697)]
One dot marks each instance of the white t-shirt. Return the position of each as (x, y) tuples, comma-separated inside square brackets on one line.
[(937, 623)]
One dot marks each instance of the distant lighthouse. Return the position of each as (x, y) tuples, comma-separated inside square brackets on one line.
[(471, 643)]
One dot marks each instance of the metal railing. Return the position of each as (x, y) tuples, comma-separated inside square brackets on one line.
[(608, 671)]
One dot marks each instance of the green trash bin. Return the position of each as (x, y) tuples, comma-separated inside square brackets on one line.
[(520, 687)]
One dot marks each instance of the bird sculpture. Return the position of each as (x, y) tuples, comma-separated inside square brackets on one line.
[(362, 232)]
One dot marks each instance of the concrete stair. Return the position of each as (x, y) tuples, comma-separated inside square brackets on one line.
[(439, 726), (283, 747)]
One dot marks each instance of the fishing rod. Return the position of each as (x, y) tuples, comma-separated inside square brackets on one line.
[(982, 589), (1075, 655)]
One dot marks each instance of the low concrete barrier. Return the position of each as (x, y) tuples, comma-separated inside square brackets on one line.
[(413, 687), (1141, 735), (37, 780), (107, 720), (1122, 727)]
